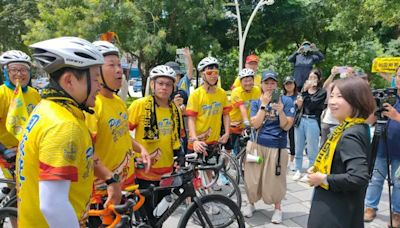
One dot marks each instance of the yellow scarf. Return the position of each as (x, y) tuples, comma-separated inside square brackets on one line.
[(323, 162)]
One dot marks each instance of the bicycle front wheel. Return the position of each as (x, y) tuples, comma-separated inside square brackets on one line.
[(8, 217), (215, 211)]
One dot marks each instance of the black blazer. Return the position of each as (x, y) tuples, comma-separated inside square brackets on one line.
[(343, 204)]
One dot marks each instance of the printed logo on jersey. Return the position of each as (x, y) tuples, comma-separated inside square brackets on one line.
[(165, 126), (118, 126), (32, 122), (212, 109)]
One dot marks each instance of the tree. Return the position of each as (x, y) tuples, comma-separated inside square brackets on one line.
[(13, 13), (149, 30)]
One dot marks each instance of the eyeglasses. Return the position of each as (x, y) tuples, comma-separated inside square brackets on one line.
[(211, 72), (15, 71), (166, 84)]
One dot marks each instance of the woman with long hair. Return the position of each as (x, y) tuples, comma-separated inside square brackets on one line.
[(307, 131), (290, 90)]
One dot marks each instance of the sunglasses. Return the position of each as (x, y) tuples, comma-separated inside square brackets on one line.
[(211, 72)]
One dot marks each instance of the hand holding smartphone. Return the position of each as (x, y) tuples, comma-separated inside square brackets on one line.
[(275, 96)]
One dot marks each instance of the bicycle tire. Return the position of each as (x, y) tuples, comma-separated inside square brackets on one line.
[(12, 202), (234, 194), (8, 212), (232, 168), (213, 198)]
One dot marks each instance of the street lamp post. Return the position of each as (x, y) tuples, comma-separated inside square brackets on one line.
[(243, 36)]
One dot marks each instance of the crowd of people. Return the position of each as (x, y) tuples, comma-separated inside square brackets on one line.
[(76, 149)]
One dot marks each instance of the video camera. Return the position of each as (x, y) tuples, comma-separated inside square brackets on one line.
[(382, 96)]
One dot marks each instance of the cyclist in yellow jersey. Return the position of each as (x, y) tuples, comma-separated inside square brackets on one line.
[(241, 99), (56, 164), (110, 129), (251, 63), (206, 105), (158, 126), (16, 65)]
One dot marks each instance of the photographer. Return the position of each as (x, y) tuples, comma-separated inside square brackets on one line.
[(375, 187), (303, 60)]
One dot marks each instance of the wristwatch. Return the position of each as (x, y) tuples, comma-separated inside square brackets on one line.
[(114, 179), (263, 107)]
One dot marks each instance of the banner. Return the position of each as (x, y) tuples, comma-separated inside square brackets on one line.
[(17, 115), (385, 64)]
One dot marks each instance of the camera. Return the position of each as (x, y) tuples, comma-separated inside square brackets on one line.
[(382, 96)]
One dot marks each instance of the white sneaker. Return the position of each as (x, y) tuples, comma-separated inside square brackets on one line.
[(277, 216), (248, 211), (304, 179), (296, 176), (292, 166)]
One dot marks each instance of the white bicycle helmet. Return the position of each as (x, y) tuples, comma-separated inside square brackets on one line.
[(61, 52), (246, 72), (162, 70), (14, 56), (106, 48), (207, 61)]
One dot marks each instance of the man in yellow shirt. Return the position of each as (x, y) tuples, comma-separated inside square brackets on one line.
[(158, 126), (251, 63), (206, 106), (241, 99), (110, 129), (16, 65), (56, 164)]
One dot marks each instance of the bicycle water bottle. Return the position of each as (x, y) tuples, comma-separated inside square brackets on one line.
[(165, 203)]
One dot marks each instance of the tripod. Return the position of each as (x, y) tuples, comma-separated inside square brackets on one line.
[(381, 133)]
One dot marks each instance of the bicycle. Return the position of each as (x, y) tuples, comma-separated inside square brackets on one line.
[(241, 156), (228, 186), (183, 184), (8, 217)]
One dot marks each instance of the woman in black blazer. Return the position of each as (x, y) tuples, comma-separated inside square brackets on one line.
[(341, 171)]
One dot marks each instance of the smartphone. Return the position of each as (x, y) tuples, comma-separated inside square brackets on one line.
[(275, 96), (342, 69)]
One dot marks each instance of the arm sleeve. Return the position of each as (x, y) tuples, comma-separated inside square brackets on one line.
[(315, 102), (55, 205), (292, 57), (134, 115), (353, 153), (317, 57), (192, 108), (58, 157), (227, 107), (288, 107), (254, 107), (236, 100)]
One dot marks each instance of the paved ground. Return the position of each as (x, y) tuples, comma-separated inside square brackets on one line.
[(295, 206)]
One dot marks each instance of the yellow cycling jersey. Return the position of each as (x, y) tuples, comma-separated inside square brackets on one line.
[(241, 97), (56, 145), (161, 149), (257, 82), (31, 98), (208, 110), (112, 142)]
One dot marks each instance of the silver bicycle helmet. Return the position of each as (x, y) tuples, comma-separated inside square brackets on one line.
[(14, 56), (61, 52), (106, 48), (162, 70), (207, 61), (246, 72)]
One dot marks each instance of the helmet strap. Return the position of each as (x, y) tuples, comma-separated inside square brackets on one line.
[(105, 86)]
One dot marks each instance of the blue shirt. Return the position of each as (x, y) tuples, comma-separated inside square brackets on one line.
[(270, 134), (393, 137)]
